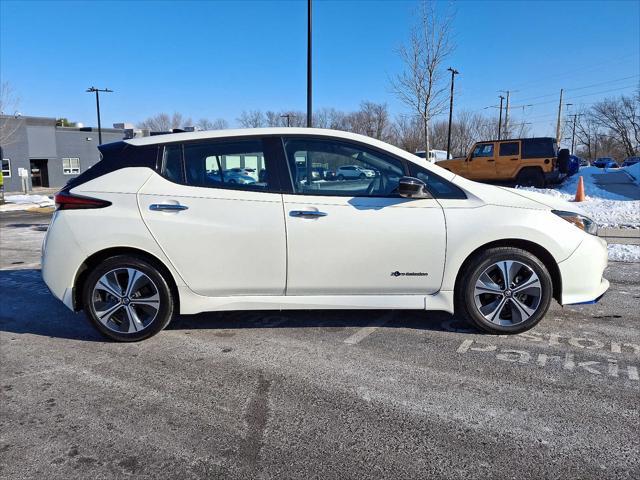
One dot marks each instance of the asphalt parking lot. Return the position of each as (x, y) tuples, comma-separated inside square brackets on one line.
[(325, 394)]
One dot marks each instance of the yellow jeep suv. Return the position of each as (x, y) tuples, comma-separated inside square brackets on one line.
[(524, 161)]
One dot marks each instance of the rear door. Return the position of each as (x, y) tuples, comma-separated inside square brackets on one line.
[(223, 233), (507, 160), (482, 163)]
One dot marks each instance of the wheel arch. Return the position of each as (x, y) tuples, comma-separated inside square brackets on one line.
[(535, 249), (98, 257)]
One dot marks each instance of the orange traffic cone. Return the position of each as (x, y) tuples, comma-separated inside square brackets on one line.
[(580, 191)]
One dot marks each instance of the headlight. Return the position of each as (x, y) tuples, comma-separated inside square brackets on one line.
[(580, 221)]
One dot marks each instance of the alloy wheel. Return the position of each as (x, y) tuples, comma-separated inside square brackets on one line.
[(125, 300), (507, 293)]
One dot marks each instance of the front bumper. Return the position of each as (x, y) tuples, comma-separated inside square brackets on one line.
[(581, 273)]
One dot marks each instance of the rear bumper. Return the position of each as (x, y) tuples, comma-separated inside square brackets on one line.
[(61, 257), (581, 273)]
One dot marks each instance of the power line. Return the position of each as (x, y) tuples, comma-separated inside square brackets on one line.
[(579, 88)]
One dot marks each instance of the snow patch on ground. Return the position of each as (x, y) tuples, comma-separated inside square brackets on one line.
[(25, 202), (624, 253), (606, 208)]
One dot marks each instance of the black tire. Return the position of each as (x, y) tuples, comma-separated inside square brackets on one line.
[(465, 301), (159, 282), (531, 177), (340, 177), (362, 176)]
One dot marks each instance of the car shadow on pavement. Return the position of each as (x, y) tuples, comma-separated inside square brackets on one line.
[(329, 320), (27, 307)]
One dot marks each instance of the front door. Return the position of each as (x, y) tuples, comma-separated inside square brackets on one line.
[(482, 163), (222, 229), (39, 172), (357, 236)]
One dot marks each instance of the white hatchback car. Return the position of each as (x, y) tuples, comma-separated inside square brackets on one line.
[(148, 232), (350, 172)]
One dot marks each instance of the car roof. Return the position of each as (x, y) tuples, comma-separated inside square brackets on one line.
[(288, 131), (243, 132)]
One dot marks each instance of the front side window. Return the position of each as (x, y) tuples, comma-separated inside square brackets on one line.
[(437, 186), (509, 148), (70, 166), (6, 168), (336, 168), (238, 164), (483, 150)]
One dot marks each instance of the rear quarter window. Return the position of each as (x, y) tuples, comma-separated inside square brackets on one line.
[(538, 148)]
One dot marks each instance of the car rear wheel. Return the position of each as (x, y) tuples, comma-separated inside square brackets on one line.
[(127, 299), (340, 177), (531, 177), (504, 290)]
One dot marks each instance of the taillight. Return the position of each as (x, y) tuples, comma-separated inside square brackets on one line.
[(67, 201)]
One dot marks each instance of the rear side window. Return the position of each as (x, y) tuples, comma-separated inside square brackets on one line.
[(172, 163), (509, 148), (538, 148), (238, 165)]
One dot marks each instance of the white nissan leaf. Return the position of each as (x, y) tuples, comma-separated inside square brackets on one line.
[(155, 229)]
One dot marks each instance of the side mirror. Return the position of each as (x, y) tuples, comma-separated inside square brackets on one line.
[(411, 187)]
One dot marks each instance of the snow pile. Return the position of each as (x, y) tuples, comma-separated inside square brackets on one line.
[(606, 208), (634, 172), (624, 253), (25, 202), (40, 200)]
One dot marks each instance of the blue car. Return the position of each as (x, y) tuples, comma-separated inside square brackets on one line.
[(605, 162), (630, 161), (574, 165)]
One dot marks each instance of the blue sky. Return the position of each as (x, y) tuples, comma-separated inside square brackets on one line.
[(214, 59)]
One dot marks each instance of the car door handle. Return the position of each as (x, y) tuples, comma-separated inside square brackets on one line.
[(167, 207), (307, 213), (490, 160)]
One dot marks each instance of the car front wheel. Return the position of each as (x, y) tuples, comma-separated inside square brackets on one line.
[(504, 290), (127, 299)]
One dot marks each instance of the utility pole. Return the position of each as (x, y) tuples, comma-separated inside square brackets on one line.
[(558, 125), (97, 91), (454, 72), (500, 119), (573, 135), (288, 117), (309, 103), (506, 112)]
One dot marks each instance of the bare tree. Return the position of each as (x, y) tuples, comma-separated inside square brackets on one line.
[(372, 120), (285, 118), (252, 119), (620, 118), (406, 133), (217, 124), (11, 120), (330, 118), (421, 85), (163, 122)]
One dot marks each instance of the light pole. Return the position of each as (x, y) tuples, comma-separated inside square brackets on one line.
[(454, 72), (309, 103), (288, 117), (97, 91)]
